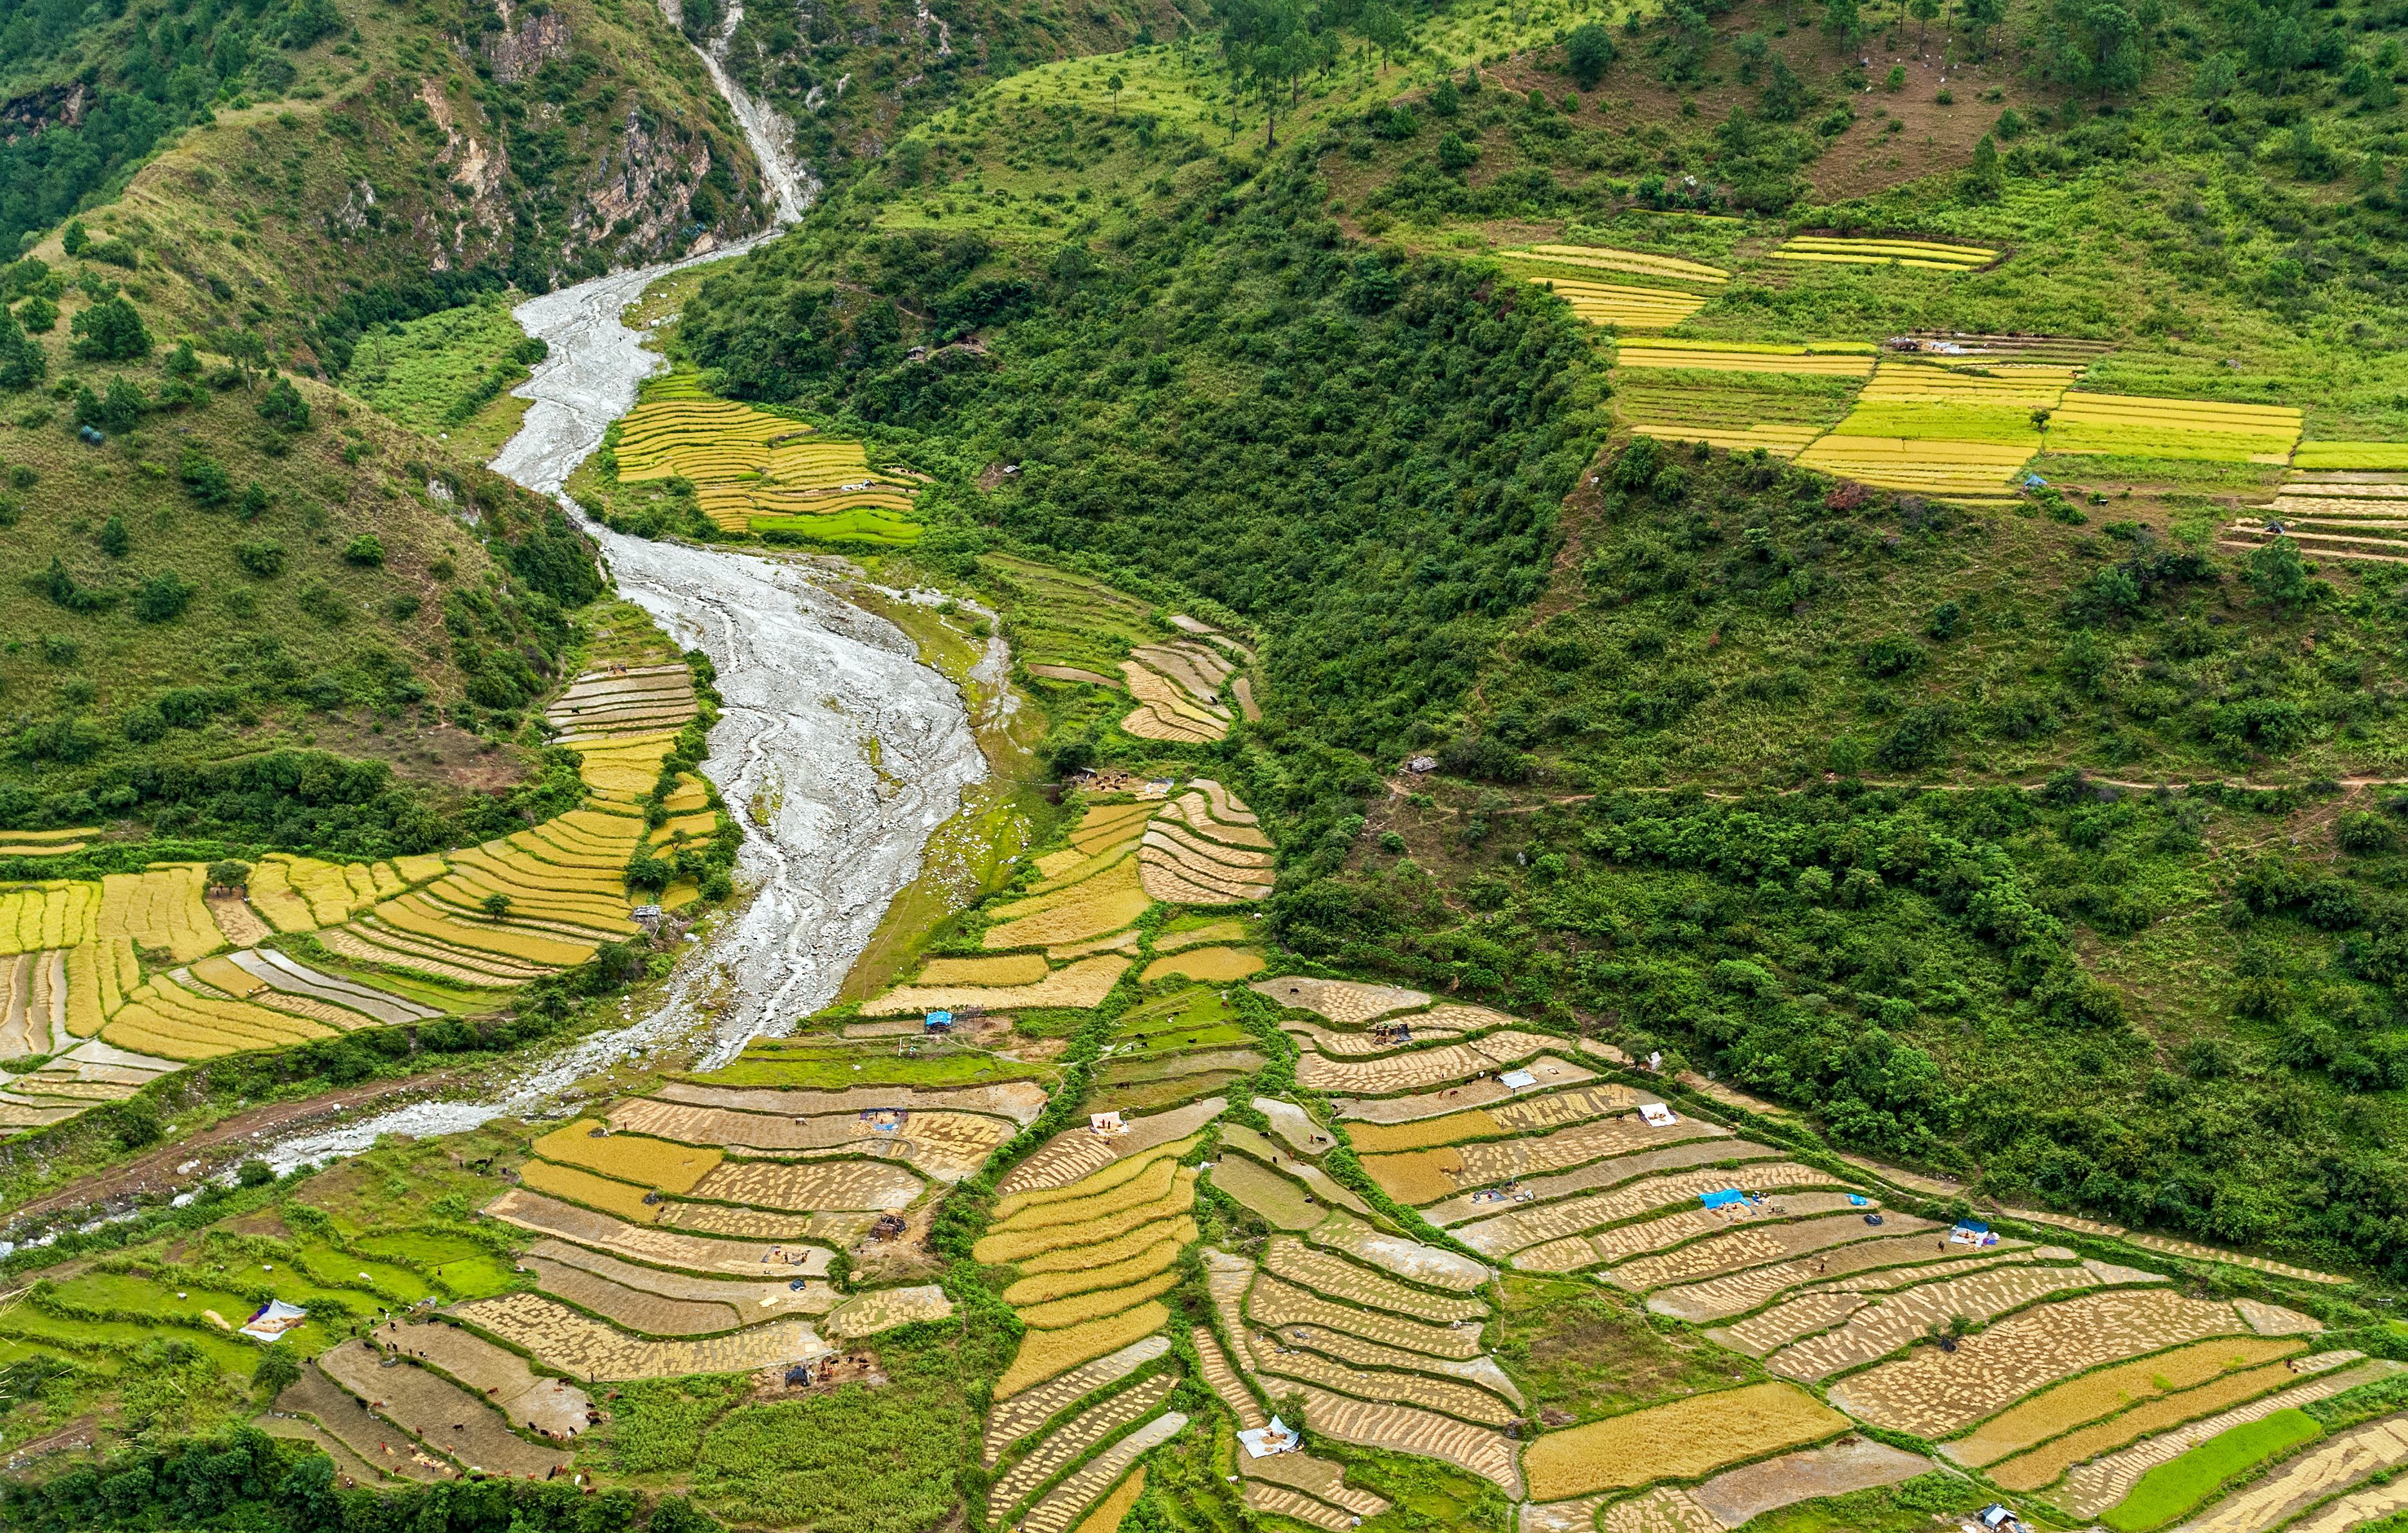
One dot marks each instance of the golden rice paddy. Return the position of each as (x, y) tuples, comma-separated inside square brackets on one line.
[(595, 1192), (1151, 1179), (1175, 1226), (1616, 304), (1926, 254), (2204, 429), (1083, 983), (1105, 902), (1638, 263), (1013, 1245), (752, 467), (1677, 1440), (2040, 1417), (1210, 965), (2031, 1472), (1734, 359), (1045, 1354), (1098, 1303), (630, 1157), (1043, 1288), (158, 908)]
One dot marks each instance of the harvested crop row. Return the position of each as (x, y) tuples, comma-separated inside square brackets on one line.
[(1193, 810), (2104, 1393), (1139, 1179), (1508, 1233), (1083, 984), (1019, 1100), (861, 1184), (559, 1336), (649, 1313), (1884, 1327), (750, 1300), (607, 1193), (1044, 1354), (1074, 1439), (1608, 1173), (1333, 1275), (1104, 902), (658, 1247), (1121, 1247), (2091, 1488), (1427, 1176), (1935, 1393), (413, 915), (1076, 1153), (1272, 1301), (1736, 1293), (1011, 1421), (946, 1145), (1340, 1000), (376, 944), (2031, 1472), (1641, 356), (1404, 1429), (1064, 1503), (1223, 1380), (1746, 1248), (1608, 258), (1046, 1287)]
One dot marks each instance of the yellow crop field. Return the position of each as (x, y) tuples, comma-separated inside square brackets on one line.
[(163, 1018), (568, 1181), (1016, 1245), (1612, 302), (1677, 1440), (1044, 1354), (1206, 964), (1927, 254), (2039, 1417), (1155, 1174), (159, 907), (1047, 1286), (2031, 1472), (1777, 441), (2347, 455), (49, 916), (1070, 866), (1105, 824), (1104, 903), (2199, 429), (1008, 1209), (1164, 712), (1210, 932), (1083, 983), (413, 914), (1605, 258), (1732, 359), (1018, 968), (630, 1157), (1963, 471), (1098, 1304), (90, 966), (1120, 1248), (1113, 1510)]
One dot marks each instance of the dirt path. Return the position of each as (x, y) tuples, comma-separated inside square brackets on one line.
[(228, 1141)]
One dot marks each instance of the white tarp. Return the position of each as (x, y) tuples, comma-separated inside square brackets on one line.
[(274, 1320), (1263, 1441)]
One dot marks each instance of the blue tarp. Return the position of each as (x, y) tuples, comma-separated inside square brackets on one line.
[(1972, 1226), (1722, 1200)]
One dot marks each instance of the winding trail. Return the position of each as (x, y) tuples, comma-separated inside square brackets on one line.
[(838, 750)]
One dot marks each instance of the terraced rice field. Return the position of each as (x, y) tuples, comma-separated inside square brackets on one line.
[(1083, 983), (531, 1210), (2031, 1470), (1224, 1381), (1073, 1439), (1430, 1176), (1044, 1354), (2317, 1474), (1014, 1419), (758, 471), (816, 1185), (1666, 1508), (1013, 1241), (604, 1193), (1272, 1301), (1167, 712), (1076, 1153), (1204, 848), (560, 1338), (1738, 410), (1019, 1100), (1317, 1478), (438, 1413), (653, 1315), (1617, 304), (750, 1300), (2102, 1394), (1104, 901), (1213, 965), (948, 1146), (1968, 472), (2091, 1488), (1924, 254), (1736, 1293), (1327, 1273), (629, 1157), (1737, 1497), (1729, 357), (604, 703), (2376, 456), (883, 1309), (1388, 1387), (159, 907), (1067, 1501), (1420, 1070), (1679, 1440), (301, 894), (1508, 1233), (1607, 258), (2205, 429), (501, 1378), (1112, 1510), (1408, 1259), (1340, 1000), (1280, 1201), (1933, 1392), (1407, 1429), (1875, 1332)]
